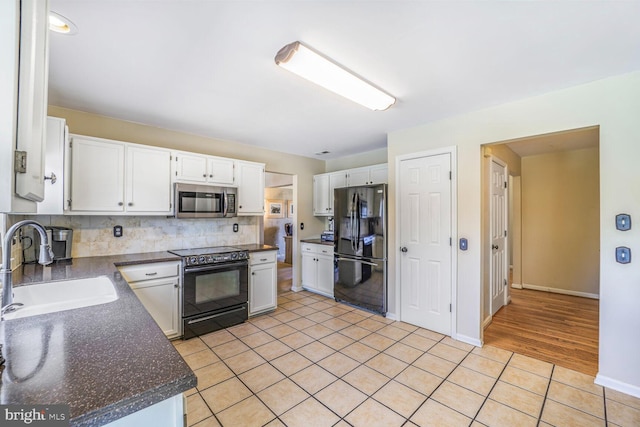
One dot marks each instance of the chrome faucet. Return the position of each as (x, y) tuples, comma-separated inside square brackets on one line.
[(46, 257)]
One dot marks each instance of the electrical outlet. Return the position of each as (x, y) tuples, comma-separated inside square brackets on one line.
[(235, 228), (117, 231)]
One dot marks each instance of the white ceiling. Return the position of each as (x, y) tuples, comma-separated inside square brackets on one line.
[(206, 67)]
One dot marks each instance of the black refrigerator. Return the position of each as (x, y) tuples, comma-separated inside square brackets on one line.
[(360, 246)]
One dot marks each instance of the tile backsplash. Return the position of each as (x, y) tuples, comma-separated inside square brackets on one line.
[(93, 235)]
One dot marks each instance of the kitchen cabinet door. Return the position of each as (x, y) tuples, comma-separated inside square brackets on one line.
[(325, 275), (321, 195), (97, 175), (359, 176), (161, 298), (263, 287), (148, 186), (379, 174), (220, 171), (336, 180), (250, 178), (309, 270), (191, 167)]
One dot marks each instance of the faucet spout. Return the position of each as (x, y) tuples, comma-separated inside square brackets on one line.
[(46, 257)]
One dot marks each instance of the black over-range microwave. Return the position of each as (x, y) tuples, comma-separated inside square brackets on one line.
[(205, 201)]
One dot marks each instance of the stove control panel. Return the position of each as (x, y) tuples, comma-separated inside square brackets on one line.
[(216, 258)]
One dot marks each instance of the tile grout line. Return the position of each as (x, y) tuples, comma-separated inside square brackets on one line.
[(492, 387), (546, 393)]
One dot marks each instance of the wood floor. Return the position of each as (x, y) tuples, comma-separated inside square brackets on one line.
[(284, 277), (556, 328)]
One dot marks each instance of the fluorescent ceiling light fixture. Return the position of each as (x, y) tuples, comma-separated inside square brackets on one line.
[(314, 67), (60, 24)]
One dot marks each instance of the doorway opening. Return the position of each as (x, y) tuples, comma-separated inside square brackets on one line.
[(553, 243), (279, 223)]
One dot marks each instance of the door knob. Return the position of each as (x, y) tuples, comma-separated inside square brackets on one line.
[(403, 249), (495, 247)]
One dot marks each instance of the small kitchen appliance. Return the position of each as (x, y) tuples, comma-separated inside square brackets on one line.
[(215, 288)]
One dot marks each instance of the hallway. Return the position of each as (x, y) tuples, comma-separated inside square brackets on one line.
[(556, 328)]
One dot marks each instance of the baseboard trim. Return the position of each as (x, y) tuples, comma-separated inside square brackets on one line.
[(516, 285), (560, 291), (625, 388), (391, 316), (487, 322), (468, 340), (296, 288)]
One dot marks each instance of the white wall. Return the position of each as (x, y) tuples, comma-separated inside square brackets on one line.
[(614, 105)]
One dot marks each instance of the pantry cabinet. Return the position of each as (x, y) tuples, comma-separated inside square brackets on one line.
[(250, 180), (114, 177), (317, 268), (157, 286), (263, 282)]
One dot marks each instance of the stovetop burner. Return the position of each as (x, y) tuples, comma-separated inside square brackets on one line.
[(211, 255)]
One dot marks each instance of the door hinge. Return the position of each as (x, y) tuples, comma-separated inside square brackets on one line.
[(71, 143), (69, 203), (505, 233), (450, 241), (505, 282), (449, 308), (20, 162), (170, 157), (450, 175), (505, 184)]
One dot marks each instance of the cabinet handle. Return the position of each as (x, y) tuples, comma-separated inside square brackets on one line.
[(211, 176), (176, 286), (253, 273), (204, 175), (120, 204), (130, 204), (151, 274), (263, 259)]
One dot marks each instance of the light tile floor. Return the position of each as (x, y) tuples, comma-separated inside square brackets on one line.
[(314, 362)]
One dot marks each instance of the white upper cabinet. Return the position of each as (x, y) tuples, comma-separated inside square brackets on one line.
[(323, 186), (111, 177), (148, 183), (250, 180), (199, 168), (97, 175), (325, 183), (367, 175)]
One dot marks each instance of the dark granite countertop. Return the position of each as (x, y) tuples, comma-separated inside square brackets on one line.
[(317, 241), (105, 361)]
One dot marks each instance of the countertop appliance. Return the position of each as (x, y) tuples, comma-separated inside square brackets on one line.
[(360, 246), (205, 201), (60, 239), (215, 288)]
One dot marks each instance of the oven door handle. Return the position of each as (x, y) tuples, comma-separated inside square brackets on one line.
[(212, 267), (213, 316)]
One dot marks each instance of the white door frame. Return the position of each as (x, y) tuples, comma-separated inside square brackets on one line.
[(452, 151), (500, 162)]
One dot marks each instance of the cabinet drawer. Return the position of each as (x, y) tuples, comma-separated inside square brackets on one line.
[(315, 248), (156, 270), (262, 257)]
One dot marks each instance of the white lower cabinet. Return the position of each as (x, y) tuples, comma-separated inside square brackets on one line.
[(318, 268), (263, 282), (157, 286)]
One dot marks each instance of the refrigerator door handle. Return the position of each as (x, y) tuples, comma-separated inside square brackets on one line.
[(357, 260)]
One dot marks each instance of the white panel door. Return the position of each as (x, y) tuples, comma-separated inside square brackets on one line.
[(498, 231), (425, 233)]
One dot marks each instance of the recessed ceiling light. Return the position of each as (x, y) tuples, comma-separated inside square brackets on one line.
[(61, 24), (318, 69)]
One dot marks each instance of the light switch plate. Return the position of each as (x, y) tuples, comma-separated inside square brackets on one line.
[(623, 255), (623, 222), (464, 244)]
